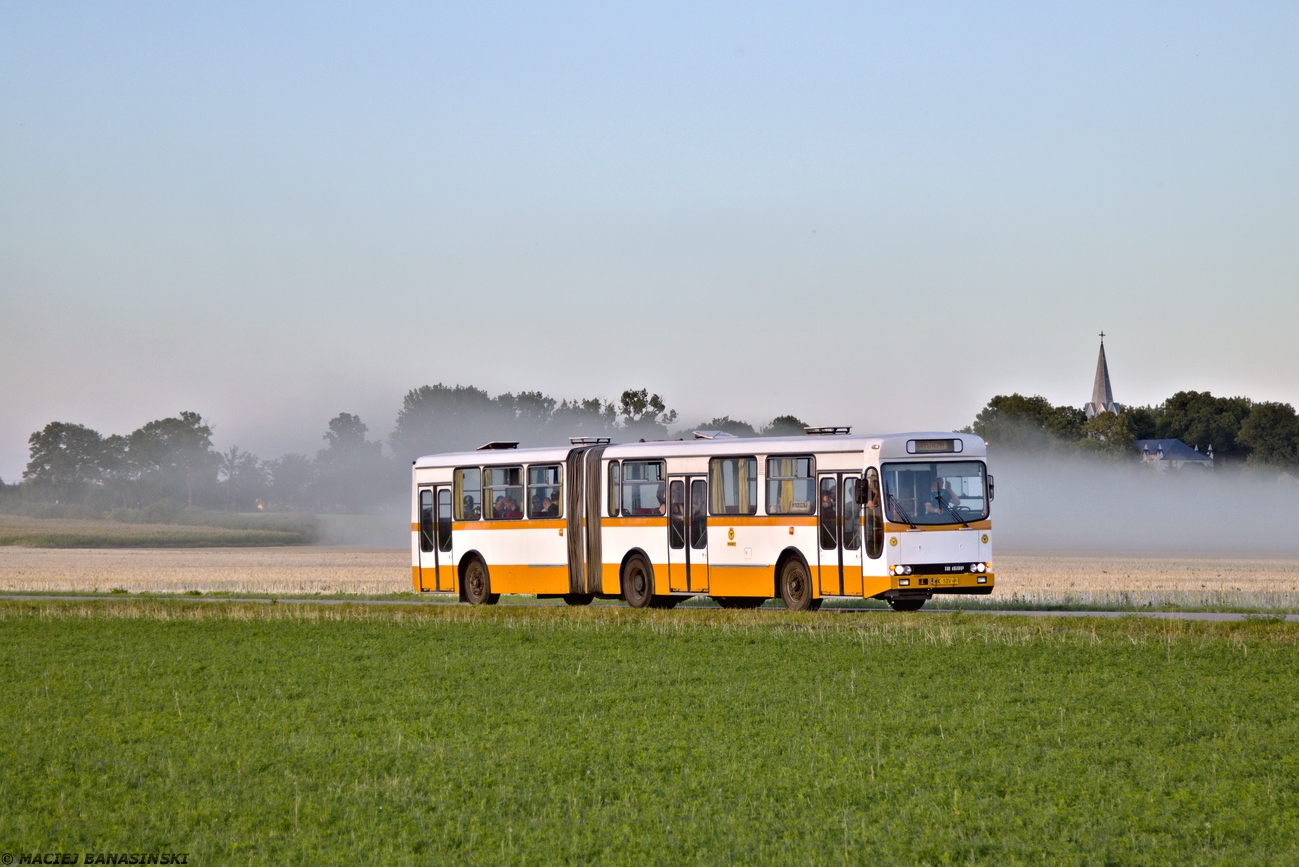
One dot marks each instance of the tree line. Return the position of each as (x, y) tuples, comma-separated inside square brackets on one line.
[(1240, 430), (170, 465)]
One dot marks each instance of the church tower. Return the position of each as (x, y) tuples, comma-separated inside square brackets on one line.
[(1102, 396)]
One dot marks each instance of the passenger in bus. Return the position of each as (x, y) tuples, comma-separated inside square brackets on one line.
[(470, 509), (661, 495)]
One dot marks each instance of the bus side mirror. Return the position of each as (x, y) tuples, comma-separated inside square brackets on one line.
[(992, 489), (860, 496)]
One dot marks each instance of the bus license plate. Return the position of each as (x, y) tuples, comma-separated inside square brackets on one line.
[(946, 580)]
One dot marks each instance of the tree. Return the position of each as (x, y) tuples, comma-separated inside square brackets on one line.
[(785, 426), (243, 479), (731, 426), (1271, 433), (65, 460), (292, 482), (1015, 422), (350, 471), (1109, 433), (644, 415), (173, 457), (440, 418), (1197, 418), (587, 417)]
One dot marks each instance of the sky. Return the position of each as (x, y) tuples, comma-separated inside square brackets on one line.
[(869, 214)]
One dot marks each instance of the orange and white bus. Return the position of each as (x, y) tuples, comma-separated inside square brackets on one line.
[(900, 517)]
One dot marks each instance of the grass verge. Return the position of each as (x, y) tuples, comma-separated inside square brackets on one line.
[(267, 733)]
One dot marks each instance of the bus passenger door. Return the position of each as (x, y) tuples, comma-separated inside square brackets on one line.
[(839, 534), (688, 534), (435, 539), (428, 558)]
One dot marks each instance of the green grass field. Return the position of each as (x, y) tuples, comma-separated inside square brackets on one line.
[(254, 733), (223, 530)]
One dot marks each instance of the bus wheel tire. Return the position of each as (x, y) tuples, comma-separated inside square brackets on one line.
[(906, 604), (478, 584), (796, 586), (740, 601), (638, 582), (578, 598)]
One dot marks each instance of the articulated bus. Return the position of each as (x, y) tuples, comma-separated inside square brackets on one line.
[(900, 517)]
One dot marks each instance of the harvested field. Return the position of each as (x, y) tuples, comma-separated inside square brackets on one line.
[(290, 570), (1107, 582), (1036, 579)]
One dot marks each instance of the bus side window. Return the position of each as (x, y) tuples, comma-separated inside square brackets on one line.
[(614, 488), (734, 484), (791, 485), (468, 494), (545, 491)]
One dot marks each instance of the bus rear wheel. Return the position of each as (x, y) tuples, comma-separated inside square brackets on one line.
[(578, 598), (796, 586), (638, 582), (478, 584), (739, 601), (906, 604)]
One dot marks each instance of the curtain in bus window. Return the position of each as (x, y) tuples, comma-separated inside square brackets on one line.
[(734, 486)]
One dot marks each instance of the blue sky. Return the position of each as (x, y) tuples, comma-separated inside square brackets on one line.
[(870, 214)]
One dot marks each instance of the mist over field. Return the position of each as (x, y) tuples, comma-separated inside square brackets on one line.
[(1066, 504)]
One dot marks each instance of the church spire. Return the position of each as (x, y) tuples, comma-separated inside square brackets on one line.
[(1102, 395)]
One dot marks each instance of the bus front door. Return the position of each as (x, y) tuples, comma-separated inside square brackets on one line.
[(839, 534), (435, 539), (688, 534)]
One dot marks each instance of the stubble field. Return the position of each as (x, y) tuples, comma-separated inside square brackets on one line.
[(1022, 579)]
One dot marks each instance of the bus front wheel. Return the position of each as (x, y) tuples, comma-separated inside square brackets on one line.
[(478, 584), (638, 582), (796, 586)]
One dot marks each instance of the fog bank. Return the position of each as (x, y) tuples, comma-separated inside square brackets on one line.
[(1090, 506)]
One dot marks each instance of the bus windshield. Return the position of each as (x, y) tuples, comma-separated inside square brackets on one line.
[(940, 492)]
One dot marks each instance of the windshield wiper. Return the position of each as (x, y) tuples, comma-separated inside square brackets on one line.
[(948, 506), (897, 508)]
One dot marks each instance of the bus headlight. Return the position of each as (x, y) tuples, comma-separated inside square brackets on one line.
[(905, 582), (982, 579)]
